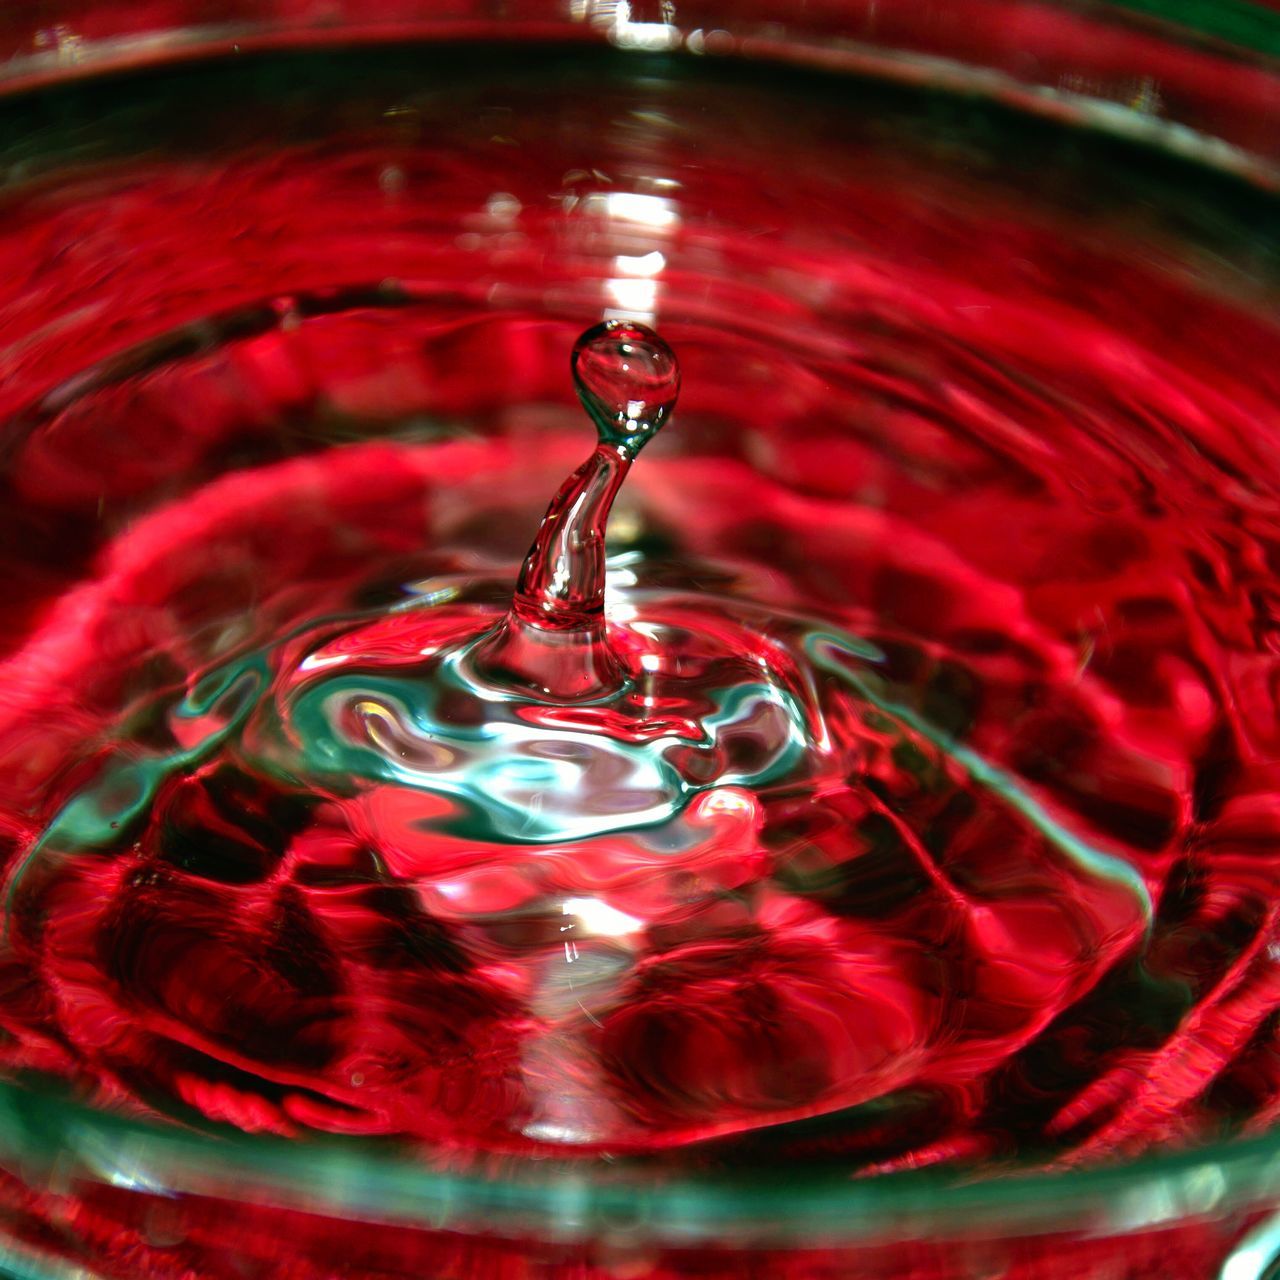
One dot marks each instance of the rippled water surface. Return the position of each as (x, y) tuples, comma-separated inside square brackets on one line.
[(938, 818)]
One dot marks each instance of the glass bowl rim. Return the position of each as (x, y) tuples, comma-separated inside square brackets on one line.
[(390, 1182)]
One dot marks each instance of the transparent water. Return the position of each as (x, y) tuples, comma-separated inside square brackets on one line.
[(961, 541)]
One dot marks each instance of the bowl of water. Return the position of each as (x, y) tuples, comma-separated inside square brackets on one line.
[(640, 640)]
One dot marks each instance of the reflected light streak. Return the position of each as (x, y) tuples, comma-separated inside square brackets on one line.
[(1253, 1257), (614, 16), (600, 919), (658, 212), (642, 266), (632, 300)]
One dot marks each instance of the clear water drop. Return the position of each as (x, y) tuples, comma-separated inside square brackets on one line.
[(628, 380)]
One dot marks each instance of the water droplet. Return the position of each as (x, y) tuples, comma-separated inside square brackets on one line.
[(628, 380)]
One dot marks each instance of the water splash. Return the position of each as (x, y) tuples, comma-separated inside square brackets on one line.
[(663, 856), (554, 643)]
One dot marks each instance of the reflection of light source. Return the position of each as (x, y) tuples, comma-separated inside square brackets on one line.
[(634, 300), (632, 206), (728, 800), (648, 264), (599, 919), (614, 16), (1254, 1252), (632, 292), (634, 289)]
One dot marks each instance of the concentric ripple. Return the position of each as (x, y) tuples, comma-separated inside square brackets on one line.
[(935, 817)]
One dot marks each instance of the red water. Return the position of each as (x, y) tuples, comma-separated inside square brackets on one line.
[(1008, 437)]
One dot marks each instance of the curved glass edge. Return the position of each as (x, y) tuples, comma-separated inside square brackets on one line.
[(1097, 65), (63, 35), (44, 1133), (21, 1262)]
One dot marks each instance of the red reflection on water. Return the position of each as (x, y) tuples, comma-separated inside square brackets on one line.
[(1032, 465)]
